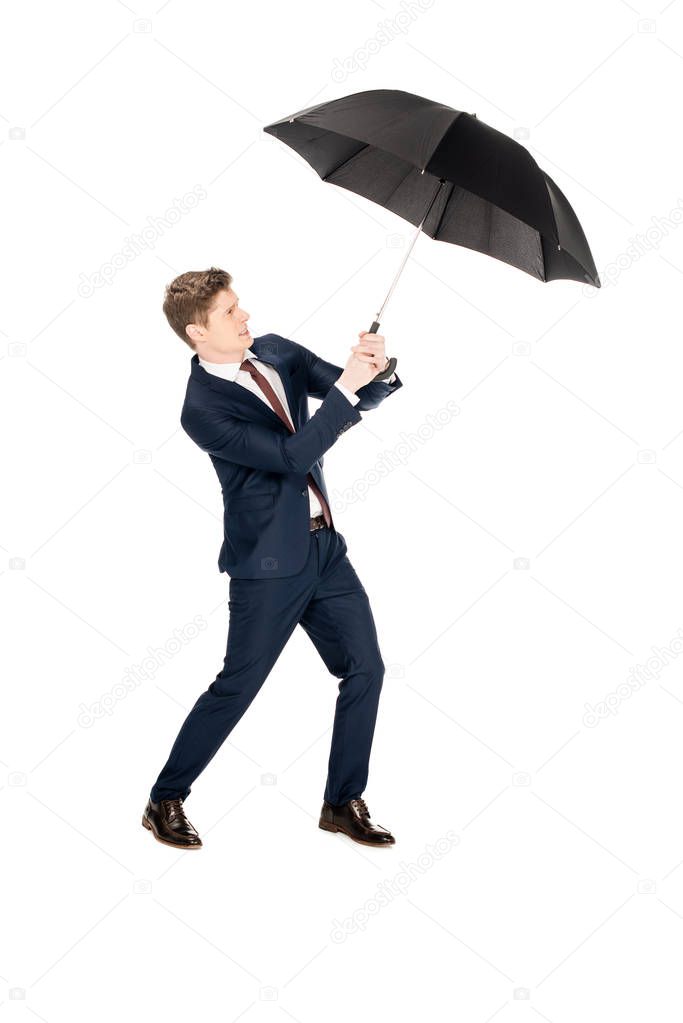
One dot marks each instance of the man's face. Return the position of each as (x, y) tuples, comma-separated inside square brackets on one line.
[(226, 335)]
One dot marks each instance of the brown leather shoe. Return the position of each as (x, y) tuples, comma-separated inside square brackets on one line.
[(353, 819), (168, 823)]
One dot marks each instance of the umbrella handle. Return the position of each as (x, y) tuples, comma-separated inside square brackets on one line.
[(386, 373)]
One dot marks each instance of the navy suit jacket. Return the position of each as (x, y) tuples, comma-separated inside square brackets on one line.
[(261, 465)]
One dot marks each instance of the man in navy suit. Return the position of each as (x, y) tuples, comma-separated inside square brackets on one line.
[(246, 405)]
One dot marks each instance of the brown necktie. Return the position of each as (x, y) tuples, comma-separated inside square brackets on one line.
[(272, 397)]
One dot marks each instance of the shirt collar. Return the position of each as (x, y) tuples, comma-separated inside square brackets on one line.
[(227, 370)]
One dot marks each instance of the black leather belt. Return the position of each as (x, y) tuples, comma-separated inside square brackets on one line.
[(317, 522)]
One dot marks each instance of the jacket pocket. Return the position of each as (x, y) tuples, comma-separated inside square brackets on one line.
[(253, 502)]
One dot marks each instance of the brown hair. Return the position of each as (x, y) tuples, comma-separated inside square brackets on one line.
[(188, 298)]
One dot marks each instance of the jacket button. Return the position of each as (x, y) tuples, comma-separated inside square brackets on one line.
[(304, 492)]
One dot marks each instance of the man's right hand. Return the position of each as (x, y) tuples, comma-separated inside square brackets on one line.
[(362, 367)]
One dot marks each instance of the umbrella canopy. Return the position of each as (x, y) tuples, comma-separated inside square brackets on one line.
[(445, 171)]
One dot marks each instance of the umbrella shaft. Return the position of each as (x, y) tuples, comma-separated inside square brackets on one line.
[(409, 250), (403, 263)]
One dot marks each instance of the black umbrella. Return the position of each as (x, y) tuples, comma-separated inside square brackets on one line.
[(453, 176)]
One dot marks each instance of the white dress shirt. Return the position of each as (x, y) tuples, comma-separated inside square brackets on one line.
[(232, 371)]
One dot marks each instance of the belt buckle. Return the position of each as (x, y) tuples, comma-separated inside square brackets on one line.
[(318, 521)]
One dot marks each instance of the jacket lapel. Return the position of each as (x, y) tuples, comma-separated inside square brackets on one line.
[(241, 401)]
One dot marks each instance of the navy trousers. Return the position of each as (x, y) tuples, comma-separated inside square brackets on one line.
[(328, 600)]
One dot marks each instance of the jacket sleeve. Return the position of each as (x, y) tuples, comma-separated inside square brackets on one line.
[(322, 375), (259, 447)]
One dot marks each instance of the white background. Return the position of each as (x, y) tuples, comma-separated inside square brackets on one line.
[(560, 893)]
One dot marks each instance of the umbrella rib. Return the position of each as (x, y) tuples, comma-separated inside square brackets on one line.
[(358, 152), (443, 211), (346, 160)]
